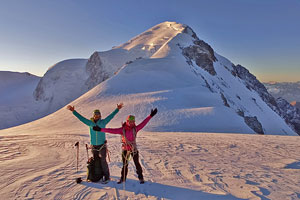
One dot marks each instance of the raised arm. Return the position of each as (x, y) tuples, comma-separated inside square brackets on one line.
[(143, 124), (83, 119), (110, 130), (109, 117), (80, 117)]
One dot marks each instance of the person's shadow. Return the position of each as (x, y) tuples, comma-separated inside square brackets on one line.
[(159, 190)]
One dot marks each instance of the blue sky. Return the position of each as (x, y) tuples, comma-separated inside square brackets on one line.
[(262, 35)]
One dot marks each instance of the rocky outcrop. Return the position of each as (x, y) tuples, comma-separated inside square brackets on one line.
[(201, 53), (253, 84), (96, 71), (289, 113), (38, 93), (285, 110), (224, 100), (254, 124)]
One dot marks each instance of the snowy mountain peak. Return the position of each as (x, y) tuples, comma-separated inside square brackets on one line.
[(158, 41), (154, 38), (169, 67)]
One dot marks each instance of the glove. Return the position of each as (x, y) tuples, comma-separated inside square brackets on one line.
[(96, 128), (153, 112)]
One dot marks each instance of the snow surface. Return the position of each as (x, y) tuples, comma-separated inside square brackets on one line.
[(39, 162)]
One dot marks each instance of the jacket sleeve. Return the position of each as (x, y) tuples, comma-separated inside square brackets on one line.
[(113, 130), (109, 117), (83, 119), (143, 124)]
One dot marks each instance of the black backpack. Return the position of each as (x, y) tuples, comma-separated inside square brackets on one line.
[(94, 170)]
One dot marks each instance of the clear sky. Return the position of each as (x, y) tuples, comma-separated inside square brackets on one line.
[(261, 35)]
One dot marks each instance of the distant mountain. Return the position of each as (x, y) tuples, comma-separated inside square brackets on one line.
[(27, 97), (16, 97), (287, 90), (61, 84), (169, 67)]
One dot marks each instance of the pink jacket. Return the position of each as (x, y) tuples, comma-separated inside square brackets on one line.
[(129, 133)]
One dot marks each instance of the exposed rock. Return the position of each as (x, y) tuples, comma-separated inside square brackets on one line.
[(224, 100), (289, 113), (254, 124), (240, 113), (189, 30), (285, 110), (202, 54), (95, 70), (39, 91)]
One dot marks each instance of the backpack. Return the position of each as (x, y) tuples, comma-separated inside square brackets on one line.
[(94, 170)]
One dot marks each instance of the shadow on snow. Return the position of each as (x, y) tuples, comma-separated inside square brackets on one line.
[(159, 190)]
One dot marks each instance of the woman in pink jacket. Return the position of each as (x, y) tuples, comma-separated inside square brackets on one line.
[(129, 132)]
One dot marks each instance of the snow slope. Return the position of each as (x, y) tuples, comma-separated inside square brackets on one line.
[(16, 97), (61, 84), (16, 87), (25, 97)]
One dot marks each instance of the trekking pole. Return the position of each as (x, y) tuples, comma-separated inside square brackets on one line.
[(87, 151), (78, 180), (126, 163), (77, 146)]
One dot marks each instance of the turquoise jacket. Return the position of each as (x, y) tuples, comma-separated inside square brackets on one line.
[(97, 137)]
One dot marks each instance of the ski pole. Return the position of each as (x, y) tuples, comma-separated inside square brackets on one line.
[(77, 146)]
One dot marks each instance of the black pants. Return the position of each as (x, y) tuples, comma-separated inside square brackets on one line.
[(125, 160), (99, 152)]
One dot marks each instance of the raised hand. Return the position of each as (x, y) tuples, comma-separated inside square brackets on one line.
[(153, 112), (71, 108), (96, 128), (119, 106)]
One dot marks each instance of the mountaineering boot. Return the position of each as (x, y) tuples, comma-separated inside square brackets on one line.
[(105, 180)]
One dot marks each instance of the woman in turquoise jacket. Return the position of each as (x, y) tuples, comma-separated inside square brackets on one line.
[(98, 139)]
